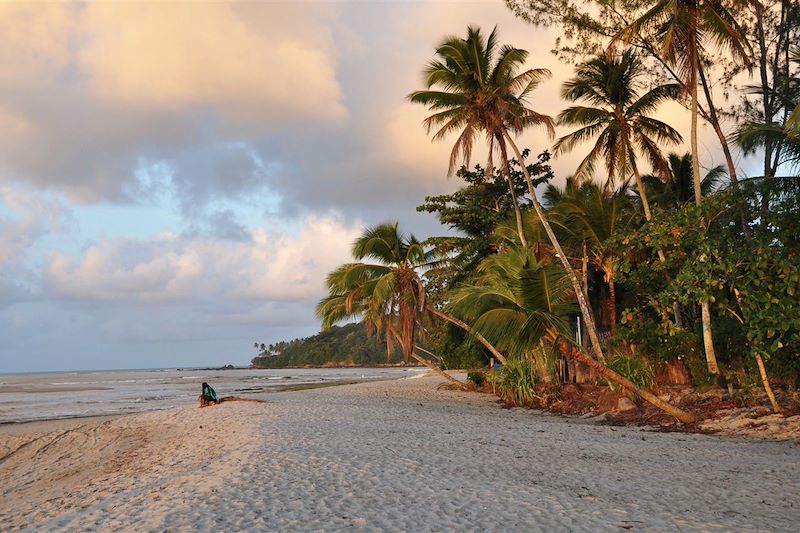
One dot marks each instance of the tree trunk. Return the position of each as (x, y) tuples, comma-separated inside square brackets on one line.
[(713, 119), (585, 283), (478, 337), (427, 363), (612, 303), (642, 194), (628, 385), (438, 371), (763, 371), (587, 318), (543, 369), (708, 337), (676, 310), (507, 174)]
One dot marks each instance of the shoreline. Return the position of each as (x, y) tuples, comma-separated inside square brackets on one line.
[(399, 454), (102, 393)]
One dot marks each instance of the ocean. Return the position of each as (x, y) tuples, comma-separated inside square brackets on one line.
[(56, 395)]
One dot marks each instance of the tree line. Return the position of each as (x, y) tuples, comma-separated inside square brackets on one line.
[(348, 345), (674, 264)]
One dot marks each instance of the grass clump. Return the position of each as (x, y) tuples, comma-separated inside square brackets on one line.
[(515, 382), (634, 369), (478, 378)]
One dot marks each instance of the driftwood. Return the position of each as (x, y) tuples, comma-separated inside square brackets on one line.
[(204, 402)]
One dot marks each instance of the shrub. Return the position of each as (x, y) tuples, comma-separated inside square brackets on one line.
[(635, 369), (515, 382), (478, 378)]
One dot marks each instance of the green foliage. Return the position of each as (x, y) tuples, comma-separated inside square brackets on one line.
[(477, 378), (388, 295), (635, 369), (653, 339), (454, 346), (347, 346), (477, 87), (752, 280), (515, 382), (475, 210), (516, 301), (618, 117)]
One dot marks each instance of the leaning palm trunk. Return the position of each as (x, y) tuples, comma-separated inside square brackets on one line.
[(628, 385), (436, 370), (514, 200), (765, 381), (478, 337), (587, 317), (599, 365)]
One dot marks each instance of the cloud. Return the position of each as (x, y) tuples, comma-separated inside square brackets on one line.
[(26, 218), (88, 91), (165, 56), (270, 266)]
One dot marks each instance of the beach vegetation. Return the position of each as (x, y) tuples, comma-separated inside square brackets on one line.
[(636, 369), (348, 345), (677, 273)]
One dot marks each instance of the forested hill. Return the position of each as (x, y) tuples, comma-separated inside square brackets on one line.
[(340, 346)]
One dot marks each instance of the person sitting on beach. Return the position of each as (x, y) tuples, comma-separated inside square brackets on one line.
[(208, 396)]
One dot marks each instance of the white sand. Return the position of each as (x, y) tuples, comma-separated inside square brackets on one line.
[(398, 455)]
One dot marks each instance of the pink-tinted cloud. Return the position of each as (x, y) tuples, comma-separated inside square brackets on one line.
[(271, 266)]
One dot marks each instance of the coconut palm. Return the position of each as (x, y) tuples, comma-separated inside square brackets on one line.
[(483, 94), (473, 85), (518, 300), (388, 295), (618, 118), (751, 136), (683, 29), (464, 104), (594, 215), (679, 189)]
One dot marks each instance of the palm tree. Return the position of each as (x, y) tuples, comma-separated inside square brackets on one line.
[(480, 84), (618, 118), (518, 300), (463, 104), (750, 136), (679, 189), (594, 215), (389, 295), (481, 94), (683, 29)]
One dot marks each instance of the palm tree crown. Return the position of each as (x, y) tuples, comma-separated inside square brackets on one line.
[(480, 89), (679, 190), (516, 301), (388, 295), (618, 117), (683, 29)]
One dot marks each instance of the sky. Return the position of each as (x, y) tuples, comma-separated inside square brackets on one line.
[(177, 179)]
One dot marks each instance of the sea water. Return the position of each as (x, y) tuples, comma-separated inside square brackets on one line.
[(55, 395)]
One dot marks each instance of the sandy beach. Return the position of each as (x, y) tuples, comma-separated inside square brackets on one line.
[(390, 455)]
